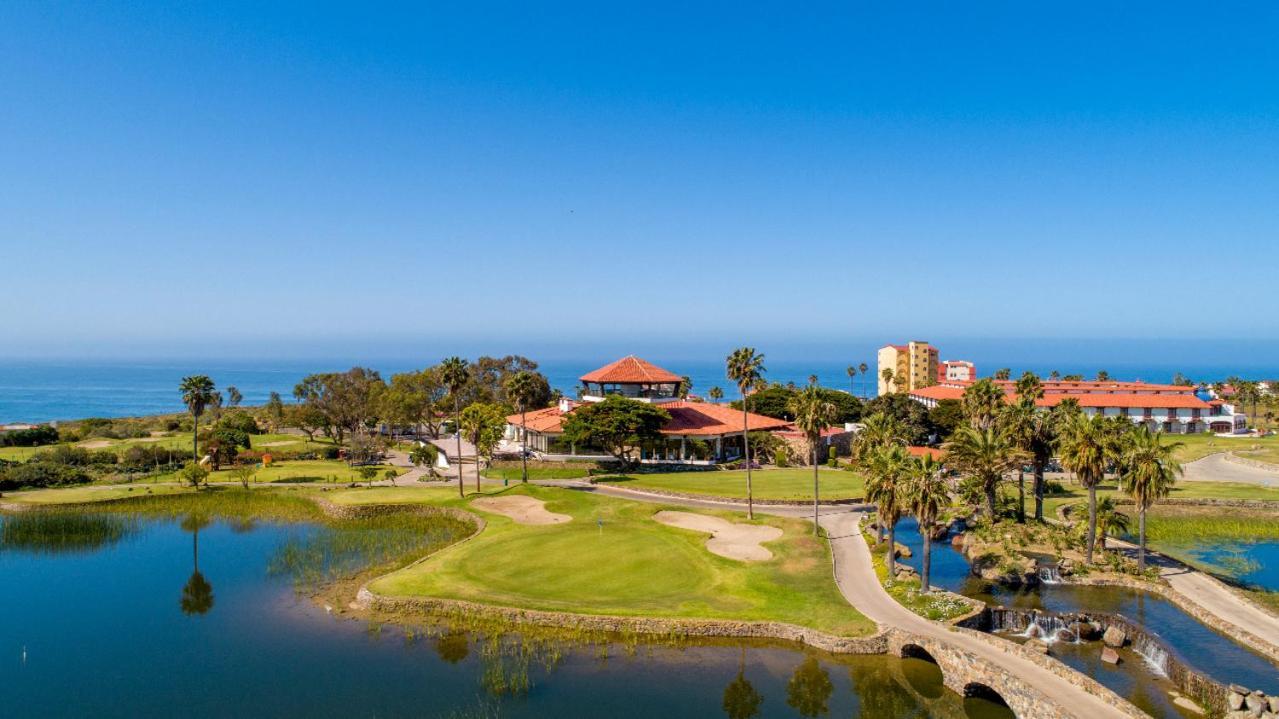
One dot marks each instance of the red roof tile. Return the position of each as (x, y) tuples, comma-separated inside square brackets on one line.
[(1182, 400), (687, 418), (631, 370)]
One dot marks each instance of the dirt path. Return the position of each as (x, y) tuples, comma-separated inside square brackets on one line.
[(743, 542)]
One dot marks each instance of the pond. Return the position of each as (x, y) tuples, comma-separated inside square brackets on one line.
[(111, 616), (1252, 564), (1195, 644)]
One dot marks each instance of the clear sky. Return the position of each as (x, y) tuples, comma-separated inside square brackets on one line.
[(252, 176)]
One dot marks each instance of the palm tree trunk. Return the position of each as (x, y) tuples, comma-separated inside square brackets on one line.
[(814, 489), (1092, 522), (990, 502), (925, 582), (1021, 497), (1039, 491), (523, 444), (746, 452), (891, 559), (457, 432), (1141, 540), (477, 463), (195, 437)]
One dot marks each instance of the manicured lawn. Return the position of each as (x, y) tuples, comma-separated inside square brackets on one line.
[(393, 495), (308, 470), (1183, 490), (632, 566), (794, 484), (514, 473), (1197, 446), (89, 493)]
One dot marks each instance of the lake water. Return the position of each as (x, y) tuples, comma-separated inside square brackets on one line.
[(1195, 644), (1255, 564), (117, 624)]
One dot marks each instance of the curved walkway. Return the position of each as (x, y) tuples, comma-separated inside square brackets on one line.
[(1216, 468), (855, 576)]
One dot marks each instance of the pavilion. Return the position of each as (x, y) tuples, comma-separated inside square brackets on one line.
[(698, 432)]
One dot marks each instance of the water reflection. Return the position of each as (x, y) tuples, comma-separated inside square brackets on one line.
[(197, 593), (741, 699), (809, 689), (452, 647)]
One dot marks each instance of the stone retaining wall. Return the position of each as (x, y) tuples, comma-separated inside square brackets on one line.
[(1189, 607), (655, 626)]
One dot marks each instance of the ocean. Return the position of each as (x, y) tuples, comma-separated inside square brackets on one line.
[(46, 390)]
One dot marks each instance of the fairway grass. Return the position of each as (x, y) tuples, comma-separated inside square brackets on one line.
[(1198, 446), (767, 484), (614, 559)]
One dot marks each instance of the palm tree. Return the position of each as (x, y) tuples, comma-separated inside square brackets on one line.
[(985, 455), (1147, 471), (522, 387), (715, 394), (745, 367), (852, 387), (887, 375), (233, 396), (1087, 448), (878, 430), (926, 494), (982, 403), (813, 414), (455, 374), (862, 369), (197, 394), (887, 468), (1110, 521)]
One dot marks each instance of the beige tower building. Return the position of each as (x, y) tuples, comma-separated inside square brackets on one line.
[(914, 366)]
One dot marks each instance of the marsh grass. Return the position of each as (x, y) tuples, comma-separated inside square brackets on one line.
[(1190, 527), (46, 532), (341, 550)]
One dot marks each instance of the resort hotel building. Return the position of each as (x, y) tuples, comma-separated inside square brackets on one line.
[(915, 365), (697, 432), (1169, 408)]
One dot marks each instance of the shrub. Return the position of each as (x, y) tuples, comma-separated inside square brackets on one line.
[(41, 474), (779, 457), (193, 474), (239, 420), (832, 456), (34, 437)]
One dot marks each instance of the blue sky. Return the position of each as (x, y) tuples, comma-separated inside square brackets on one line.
[(235, 177)]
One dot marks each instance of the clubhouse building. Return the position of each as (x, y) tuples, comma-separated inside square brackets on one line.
[(698, 432), (1173, 409)]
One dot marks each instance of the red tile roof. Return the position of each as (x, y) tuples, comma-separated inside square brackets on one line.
[(926, 452), (1183, 400), (631, 370), (687, 418)]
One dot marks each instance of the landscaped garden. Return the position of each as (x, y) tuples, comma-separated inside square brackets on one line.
[(1198, 446), (794, 484)]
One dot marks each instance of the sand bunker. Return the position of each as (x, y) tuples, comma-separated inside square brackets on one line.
[(735, 541), (524, 510), (280, 443), (95, 444)]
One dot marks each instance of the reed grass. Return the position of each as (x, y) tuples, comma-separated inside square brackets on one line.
[(44, 532)]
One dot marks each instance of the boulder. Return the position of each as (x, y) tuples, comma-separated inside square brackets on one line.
[(1085, 631), (1234, 701), (957, 540), (1240, 689), (1065, 635), (906, 572), (1110, 656), (903, 551), (1255, 704), (1038, 646), (1274, 704), (1114, 636)]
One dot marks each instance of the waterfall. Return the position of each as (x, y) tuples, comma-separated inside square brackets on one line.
[(1045, 627), (1049, 574), (1153, 652)]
